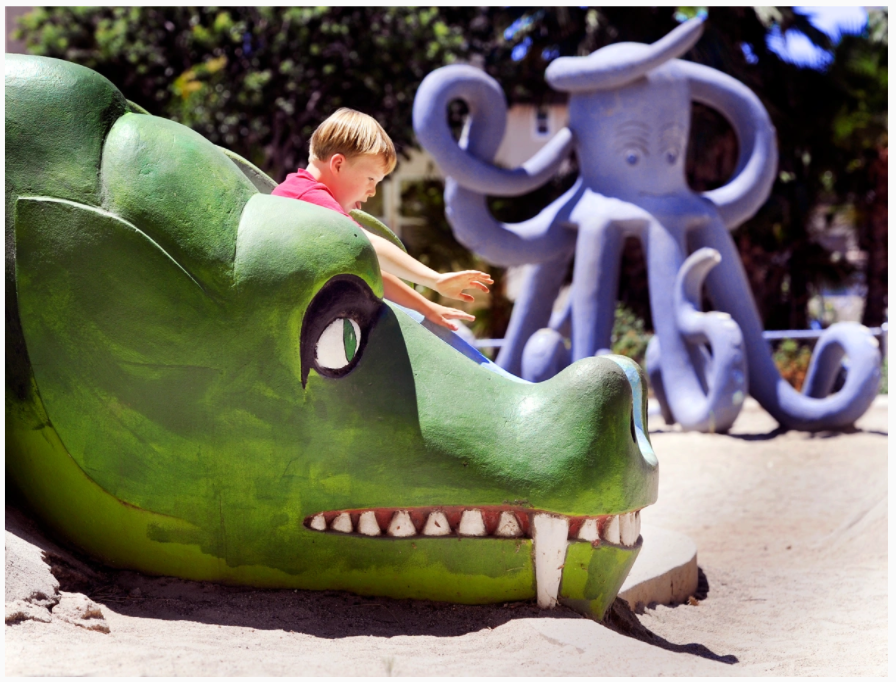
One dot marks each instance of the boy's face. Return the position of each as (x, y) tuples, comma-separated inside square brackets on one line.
[(354, 180)]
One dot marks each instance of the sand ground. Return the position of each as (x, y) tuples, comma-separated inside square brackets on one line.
[(791, 530)]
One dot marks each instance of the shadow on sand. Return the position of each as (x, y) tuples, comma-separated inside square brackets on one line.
[(328, 614), (621, 619), (332, 615)]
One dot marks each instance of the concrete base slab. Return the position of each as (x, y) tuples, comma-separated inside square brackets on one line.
[(665, 571)]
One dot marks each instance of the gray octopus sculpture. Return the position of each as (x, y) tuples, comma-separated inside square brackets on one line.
[(629, 117)]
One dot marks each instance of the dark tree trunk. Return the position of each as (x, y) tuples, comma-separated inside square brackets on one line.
[(873, 239)]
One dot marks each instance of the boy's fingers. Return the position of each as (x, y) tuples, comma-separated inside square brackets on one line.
[(442, 320), (479, 285), (475, 274), (481, 275)]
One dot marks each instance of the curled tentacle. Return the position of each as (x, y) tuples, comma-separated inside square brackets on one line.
[(757, 163), (472, 167), (702, 393), (815, 408), (725, 375), (854, 342), (471, 175), (537, 240)]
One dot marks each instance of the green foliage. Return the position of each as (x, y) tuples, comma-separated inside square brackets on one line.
[(883, 377), (792, 360), (629, 337), (257, 80)]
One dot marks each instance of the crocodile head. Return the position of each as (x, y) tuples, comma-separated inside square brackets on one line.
[(204, 382)]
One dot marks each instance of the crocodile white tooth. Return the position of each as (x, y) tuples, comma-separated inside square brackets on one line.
[(629, 529), (367, 524), (342, 523), (508, 526), (611, 530), (400, 526), (623, 529), (319, 522), (471, 523), (549, 541), (436, 524), (588, 531)]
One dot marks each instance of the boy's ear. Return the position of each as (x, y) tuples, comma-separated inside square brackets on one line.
[(337, 161)]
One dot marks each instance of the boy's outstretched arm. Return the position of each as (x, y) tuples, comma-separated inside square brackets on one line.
[(450, 284), (399, 292)]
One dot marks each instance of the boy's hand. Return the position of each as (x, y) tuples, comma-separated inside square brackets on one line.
[(396, 290), (442, 315), (452, 284)]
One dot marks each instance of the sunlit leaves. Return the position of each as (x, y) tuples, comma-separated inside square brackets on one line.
[(257, 79)]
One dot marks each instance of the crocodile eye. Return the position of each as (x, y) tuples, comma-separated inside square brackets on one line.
[(336, 327), (338, 344)]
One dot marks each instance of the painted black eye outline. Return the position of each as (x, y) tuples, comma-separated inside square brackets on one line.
[(344, 308)]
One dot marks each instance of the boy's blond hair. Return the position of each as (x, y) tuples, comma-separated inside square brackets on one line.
[(351, 133)]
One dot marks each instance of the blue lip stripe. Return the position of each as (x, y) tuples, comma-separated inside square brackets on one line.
[(632, 373)]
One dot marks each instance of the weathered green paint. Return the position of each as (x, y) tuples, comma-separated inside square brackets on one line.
[(376, 227), (156, 413), (593, 576)]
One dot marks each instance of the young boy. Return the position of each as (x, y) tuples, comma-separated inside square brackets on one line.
[(350, 154)]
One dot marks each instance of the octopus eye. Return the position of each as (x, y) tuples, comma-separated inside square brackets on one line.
[(671, 157), (632, 157)]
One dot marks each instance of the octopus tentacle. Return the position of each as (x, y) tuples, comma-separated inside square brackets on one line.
[(757, 164), (532, 310), (621, 63), (653, 366), (815, 408), (537, 240), (545, 355), (725, 374), (699, 395), (596, 273), (471, 167)]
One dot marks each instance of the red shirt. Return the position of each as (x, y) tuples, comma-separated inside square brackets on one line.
[(303, 186)]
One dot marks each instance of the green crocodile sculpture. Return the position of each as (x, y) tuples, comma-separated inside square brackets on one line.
[(203, 381)]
